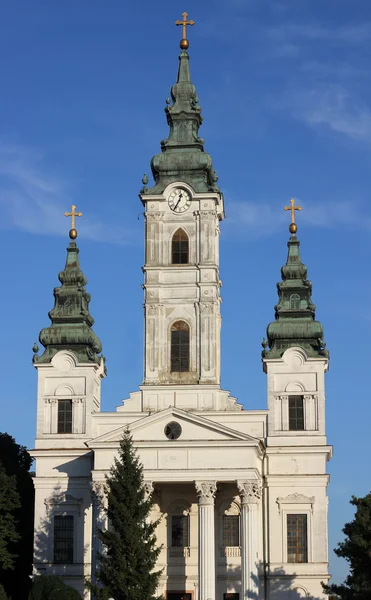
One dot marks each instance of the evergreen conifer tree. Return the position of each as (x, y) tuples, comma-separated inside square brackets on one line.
[(9, 502), (356, 549), (127, 563)]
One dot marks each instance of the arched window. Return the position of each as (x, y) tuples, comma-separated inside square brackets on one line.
[(294, 301), (179, 347), (180, 248)]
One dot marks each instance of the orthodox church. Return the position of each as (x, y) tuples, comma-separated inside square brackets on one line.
[(242, 493)]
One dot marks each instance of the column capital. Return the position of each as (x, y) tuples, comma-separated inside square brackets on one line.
[(205, 491), (98, 493), (148, 489), (250, 491)]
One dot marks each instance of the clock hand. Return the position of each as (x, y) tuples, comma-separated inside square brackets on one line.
[(180, 197)]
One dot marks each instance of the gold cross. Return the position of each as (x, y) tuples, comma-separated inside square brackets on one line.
[(73, 214), (293, 208), (293, 227), (184, 23)]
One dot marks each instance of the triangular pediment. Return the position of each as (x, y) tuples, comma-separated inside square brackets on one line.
[(193, 428)]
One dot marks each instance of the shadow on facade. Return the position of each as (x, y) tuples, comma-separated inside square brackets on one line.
[(62, 501), (278, 585)]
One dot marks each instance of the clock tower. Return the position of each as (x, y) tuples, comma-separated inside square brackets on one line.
[(183, 210)]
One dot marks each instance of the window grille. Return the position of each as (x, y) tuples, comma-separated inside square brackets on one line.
[(63, 539), (64, 416), (180, 531), (180, 248), (231, 530), (180, 347), (297, 543), (296, 413)]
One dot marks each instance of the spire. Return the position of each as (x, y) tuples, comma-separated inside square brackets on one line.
[(71, 322), (295, 323), (182, 156)]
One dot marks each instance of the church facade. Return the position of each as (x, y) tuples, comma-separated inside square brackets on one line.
[(242, 493)]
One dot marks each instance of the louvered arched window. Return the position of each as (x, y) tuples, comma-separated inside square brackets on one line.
[(294, 301), (180, 248), (180, 347)]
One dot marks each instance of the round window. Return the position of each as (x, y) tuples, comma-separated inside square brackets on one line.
[(173, 430)]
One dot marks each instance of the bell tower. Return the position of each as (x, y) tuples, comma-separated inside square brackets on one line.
[(183, 210)]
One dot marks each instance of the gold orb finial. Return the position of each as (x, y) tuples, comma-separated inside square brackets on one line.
[(184, 43), (73, 214), (293, 226)]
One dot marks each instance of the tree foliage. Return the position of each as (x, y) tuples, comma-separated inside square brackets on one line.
[(16, 462), (9, 502), (126, 569), (51, 587), (356, 549), (3, 595)]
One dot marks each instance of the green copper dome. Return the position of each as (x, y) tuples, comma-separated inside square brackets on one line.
[(182, 156), (71, 322), (295, 323)]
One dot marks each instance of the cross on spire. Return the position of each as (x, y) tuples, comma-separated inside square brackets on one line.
[(184, 43), (293, 227), (73, 214)]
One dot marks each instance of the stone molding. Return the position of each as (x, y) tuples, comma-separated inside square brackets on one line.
[(296, 499), (65, 501), (250, 491), (206, 491)]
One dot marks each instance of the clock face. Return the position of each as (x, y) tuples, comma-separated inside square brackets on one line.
[(179, 200)]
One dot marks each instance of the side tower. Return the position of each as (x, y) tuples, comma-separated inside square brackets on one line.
[(69, 375), (295, 360), (181, 272)]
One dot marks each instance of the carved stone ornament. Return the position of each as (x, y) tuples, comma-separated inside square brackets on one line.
[(152, 309), (206, 491), (155, 216), (250, 491), (148, 489), (98, 494), (206, 307), (296, 499)]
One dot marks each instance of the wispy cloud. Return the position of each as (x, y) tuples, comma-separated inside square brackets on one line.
[(261, 219), (331, 106), (34, 200), (356, 34)]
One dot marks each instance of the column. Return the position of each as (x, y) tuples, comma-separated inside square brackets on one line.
[(206, 539), (250, 493)]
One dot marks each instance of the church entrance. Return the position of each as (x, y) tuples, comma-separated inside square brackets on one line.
[(178, 596)]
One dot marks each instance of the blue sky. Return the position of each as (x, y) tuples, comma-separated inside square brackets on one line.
[(285, 91)]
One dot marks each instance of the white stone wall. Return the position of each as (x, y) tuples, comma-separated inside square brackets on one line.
[(189, 292)]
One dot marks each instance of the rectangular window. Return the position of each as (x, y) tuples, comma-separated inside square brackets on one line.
[(231, 596), (64, 416), (180, 531), (63, 539), (297, 539), (231, 530), (296, 413)]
